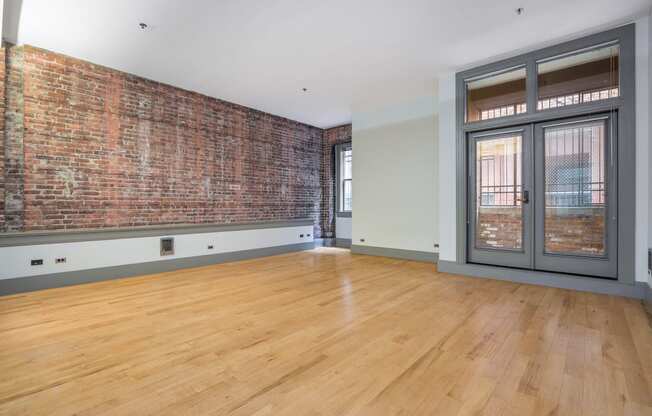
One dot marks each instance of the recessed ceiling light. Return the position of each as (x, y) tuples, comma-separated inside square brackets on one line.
[(143, 26), (520, 11)]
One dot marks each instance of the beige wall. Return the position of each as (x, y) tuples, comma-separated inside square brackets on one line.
[(395, 180)]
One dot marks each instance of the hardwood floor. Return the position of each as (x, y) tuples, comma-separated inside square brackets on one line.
[(322, 332)]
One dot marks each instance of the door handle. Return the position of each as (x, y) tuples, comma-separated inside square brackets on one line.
[(526, 197)]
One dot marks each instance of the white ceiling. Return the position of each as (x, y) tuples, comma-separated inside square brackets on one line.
[(260, 53)]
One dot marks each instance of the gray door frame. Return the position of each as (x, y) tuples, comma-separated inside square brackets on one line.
[(624, 105), (503, 257), (606, 266)]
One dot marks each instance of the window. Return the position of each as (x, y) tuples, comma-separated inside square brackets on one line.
[(584, 75), (344, 166), (578, 77), (496, 95)]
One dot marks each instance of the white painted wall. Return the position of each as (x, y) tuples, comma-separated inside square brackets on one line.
[(395, 174), (15, 261), (343, 227), (447, 169)]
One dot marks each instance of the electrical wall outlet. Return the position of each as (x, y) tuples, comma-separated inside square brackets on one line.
[(37, 262), (210, 246), (300, 235), (59, 260)]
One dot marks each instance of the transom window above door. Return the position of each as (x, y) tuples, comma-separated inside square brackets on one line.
[(496, 95), (579, 77), (536, 85)]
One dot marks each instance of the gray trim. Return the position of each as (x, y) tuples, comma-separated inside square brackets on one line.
[(395, 253), (28, 284), (333, 242), (503, 257), (647, 300), (626, 133), (72, 236), (557, 280), (343, 242), (603, 266)]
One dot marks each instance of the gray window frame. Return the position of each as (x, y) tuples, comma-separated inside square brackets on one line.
[(624, 107), (339, 149)]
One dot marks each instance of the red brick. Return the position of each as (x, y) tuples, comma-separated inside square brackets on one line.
[(92, 147)]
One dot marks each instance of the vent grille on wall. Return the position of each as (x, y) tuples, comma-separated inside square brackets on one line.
[(167, 246)]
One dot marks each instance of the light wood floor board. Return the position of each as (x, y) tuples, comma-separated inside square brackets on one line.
[(322, 332)]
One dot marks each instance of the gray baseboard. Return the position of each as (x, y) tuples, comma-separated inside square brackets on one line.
[(558, 280), (343, 242), (395, 253), (333, 242), (49, 281), (647, 301)]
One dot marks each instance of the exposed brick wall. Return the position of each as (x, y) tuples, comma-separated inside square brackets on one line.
[(91, 147), (498, 227), (333, 136), (14, 155), (575, 230), (567, 230)]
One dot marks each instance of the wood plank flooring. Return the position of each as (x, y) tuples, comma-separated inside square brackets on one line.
[(322, 332)]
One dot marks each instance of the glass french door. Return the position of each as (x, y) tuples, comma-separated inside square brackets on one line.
[(499, 197), (576, 196), (543, 197)]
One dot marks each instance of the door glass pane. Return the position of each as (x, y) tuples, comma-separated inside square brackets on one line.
[(578, 78), (575, 190), (499, 214), (496, 96)]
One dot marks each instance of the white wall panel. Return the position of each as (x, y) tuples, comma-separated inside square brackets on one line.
[(15, 261)]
